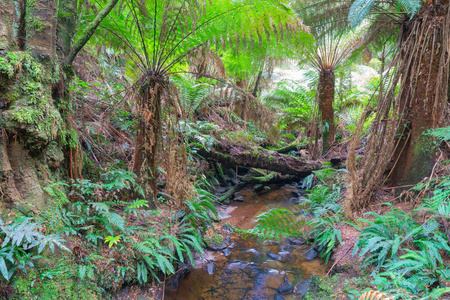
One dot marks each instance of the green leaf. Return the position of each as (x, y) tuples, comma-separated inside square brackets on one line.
[(4, 269)]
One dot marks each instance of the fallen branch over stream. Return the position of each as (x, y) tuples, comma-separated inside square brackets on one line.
[(252, 178)]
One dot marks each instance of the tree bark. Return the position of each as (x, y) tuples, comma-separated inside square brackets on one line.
[(424, 100), (41, 21), (326, 98), (67, 21), (8, 20)]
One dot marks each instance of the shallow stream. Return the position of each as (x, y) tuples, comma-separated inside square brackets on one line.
[(253, 269)]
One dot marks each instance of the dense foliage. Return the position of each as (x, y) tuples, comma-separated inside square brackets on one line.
[(126, 124)]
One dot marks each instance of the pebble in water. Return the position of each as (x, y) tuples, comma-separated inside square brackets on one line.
[(278, 297), (295, 241), (274, 256), (253, 251), (210, 268), (285, 288), (311, 253)]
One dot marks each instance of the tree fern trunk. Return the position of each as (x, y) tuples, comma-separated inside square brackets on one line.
[(148, 135), (424, 96), (326, 97)]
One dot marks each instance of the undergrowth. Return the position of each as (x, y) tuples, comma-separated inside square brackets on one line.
[(113, 242)]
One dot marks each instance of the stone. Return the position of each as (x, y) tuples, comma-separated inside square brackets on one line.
[(227, 227), (274, 256), (223, 215), (303, 287), (278, 297), (294, 200), (284, 253), (239, 198), (258, 188), (231, 246), (295, 194), (311, 253), (221, 190), (285, 288), (295, 241), (210, 268), (174, 280), (253, 251), (227, 240), (210, 244), (226, 252), (237, 265), (302, 198)]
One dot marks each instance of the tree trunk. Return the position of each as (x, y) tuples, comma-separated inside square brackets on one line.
[(41, 21), (148, 134), (326, 98), (67, 25), (424, 99)]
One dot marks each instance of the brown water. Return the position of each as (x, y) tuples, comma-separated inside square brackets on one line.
[(248, 273)]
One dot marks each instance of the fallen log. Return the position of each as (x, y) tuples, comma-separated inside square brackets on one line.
[(257, 157)]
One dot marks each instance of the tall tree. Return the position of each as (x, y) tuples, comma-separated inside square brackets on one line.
[(422, 70), (335, 41), (158, 35)]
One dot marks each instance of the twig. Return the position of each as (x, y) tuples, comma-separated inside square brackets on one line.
[(329, 271)]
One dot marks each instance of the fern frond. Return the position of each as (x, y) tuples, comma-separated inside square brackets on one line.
[(375, 295)]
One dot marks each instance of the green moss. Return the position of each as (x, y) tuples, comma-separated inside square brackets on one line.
[(322, 288), (214, 240), (38, 25), (69, 138), (31, 107), (57, 282)]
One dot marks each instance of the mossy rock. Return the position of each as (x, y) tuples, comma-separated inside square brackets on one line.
[(215, 242)]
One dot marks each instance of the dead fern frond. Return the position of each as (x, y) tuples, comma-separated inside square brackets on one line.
[(375, 295)]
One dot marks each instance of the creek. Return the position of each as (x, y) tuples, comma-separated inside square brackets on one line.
[(249, 268)]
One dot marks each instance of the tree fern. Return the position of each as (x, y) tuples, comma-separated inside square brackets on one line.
[(441, 133), (360, 9)]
